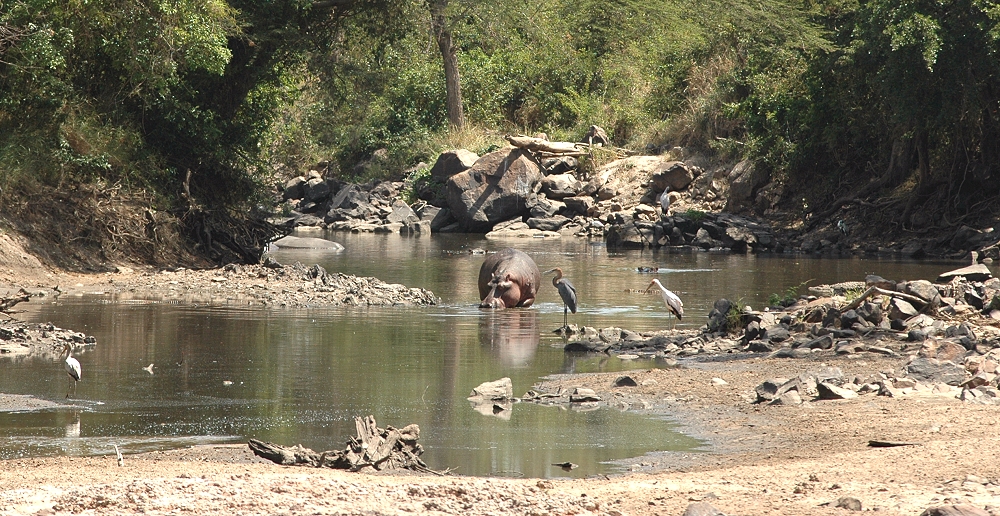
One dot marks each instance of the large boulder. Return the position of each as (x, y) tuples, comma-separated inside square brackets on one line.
[(559, 186), (744, 180), (673, 174), (452, 162), (498, 187)]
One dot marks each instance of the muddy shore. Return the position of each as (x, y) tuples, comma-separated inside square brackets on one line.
[(760, 458)]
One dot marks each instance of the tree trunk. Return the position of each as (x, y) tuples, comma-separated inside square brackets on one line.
[(453, 87)]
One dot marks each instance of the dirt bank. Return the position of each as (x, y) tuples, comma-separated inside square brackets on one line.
[(763, 460)]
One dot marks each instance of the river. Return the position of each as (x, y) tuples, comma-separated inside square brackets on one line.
[(223, 374)]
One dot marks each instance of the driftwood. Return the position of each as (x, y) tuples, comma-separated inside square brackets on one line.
[(875, 290), (539, 145), (6, 303), (373, 448)]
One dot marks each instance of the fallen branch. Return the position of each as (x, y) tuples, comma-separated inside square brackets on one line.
[(6, 303), (375, 448)]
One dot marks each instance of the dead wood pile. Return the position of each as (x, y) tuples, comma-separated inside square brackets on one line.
[(375, 448)]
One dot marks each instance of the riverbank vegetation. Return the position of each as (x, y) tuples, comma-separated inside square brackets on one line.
[(202, 106)]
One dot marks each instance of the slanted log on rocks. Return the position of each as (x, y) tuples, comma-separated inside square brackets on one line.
[(539, 145), (6, 303), (373, 447)]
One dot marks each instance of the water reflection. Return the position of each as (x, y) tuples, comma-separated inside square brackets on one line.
[(511, 335)]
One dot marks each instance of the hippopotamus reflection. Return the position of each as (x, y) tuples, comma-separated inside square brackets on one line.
[(507, 279), (511, 335)]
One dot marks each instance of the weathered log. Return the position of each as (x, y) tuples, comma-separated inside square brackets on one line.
[(373, 447), (6, 303), (539, 145)]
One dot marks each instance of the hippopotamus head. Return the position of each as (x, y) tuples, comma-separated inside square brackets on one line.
[(504, 292), (507, 279)]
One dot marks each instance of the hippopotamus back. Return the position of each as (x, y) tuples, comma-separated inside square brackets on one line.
[(507, 279)]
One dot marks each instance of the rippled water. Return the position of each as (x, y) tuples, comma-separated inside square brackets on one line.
[(227, 373)]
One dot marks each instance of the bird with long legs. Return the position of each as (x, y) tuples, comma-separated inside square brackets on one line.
[(664, 199), (672, 301), (566, 291), (72, 366)]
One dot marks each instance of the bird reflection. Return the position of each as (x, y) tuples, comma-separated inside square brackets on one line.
[(510, 334), (73, 427)]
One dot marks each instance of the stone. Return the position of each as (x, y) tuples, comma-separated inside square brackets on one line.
[(744, 180), (553, 223), (625, 381), (560, 165), (976, 272), (930, 370), (848, 502), (829, 391), (559, 186), (294, 188), (315, 190), (501, 389), (768, 389), (452, 162), (702, 509), (294, 242), (873, 280), (925, 290), (595, 135), (583, 395), (955, 510), (402, 213), (943, 350), (675, 175), (496, 188), (900, 309), (790, 398), (581, 204), (776, 334)]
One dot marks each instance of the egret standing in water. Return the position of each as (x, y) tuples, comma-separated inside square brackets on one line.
[(673, 302), (72, 366), (566, 291)]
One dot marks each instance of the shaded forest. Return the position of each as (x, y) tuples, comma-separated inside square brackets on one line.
[(204, 106)]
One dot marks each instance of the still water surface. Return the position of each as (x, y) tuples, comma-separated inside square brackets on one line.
[(223, 374)]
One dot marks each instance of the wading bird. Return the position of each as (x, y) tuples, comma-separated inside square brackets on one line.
[(566, 291), (673, 302), (72, 366), (665, 202)]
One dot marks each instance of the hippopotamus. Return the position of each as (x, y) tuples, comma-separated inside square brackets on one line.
[(507, 279)]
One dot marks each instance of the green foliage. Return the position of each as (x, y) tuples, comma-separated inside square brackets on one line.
[(695, 215), (788, 297)]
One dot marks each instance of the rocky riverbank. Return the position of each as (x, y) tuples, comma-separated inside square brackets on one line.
[(540, 189)]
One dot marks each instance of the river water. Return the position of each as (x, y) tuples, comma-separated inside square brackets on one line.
[(223, 374)]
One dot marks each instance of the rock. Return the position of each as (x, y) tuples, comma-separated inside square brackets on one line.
[(402, 213), (595, 136), (586, 347), (924, 290), (829, 391), (976, 272), (294, 242), (625, 381), (496, 188), (849, 503), (560, 165), (315, 190), (744, 180), (873, 280), (824, 342), (582, 395), (294, 188), (671, 174), (702, 509), (768, 390), (943, 350), (630, 236), (548, 224), (955, 510), (559, 186), (308, 221), (420, 228), (790, 398), (776, 334), (900, 309), (452, 162), (930, 370), (501, 389), (582, 204)]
